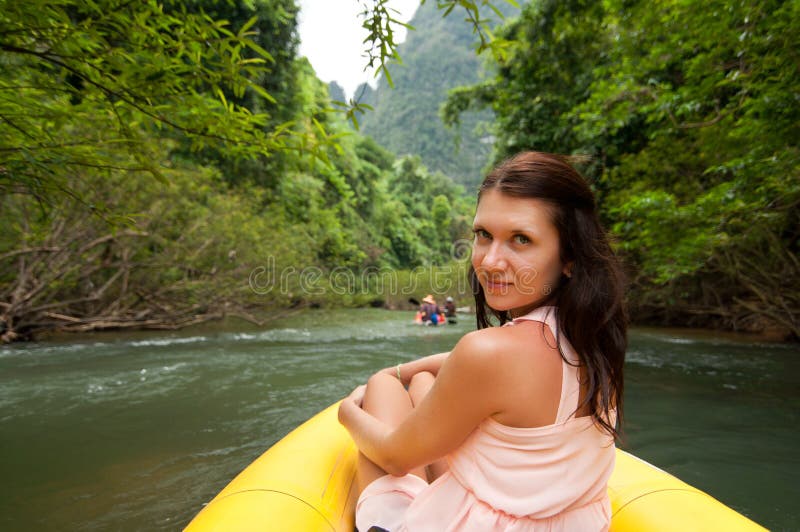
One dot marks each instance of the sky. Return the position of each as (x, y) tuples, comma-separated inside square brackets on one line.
[(331, 38)]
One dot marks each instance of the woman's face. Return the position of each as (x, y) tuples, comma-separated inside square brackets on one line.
[(515, 252)]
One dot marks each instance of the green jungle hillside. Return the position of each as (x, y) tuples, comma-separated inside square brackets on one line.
[(167, 163)]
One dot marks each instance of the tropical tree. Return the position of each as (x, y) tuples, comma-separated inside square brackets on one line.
[(155, 155), (94, 84), (686, 113)]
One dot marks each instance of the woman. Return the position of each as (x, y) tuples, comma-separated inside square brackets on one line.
[(515, 427)]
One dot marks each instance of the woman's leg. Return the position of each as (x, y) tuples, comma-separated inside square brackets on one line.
[(387, 400), (418, 388)]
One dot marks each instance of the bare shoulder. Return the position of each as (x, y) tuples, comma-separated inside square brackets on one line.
[(486, 345), (476, 355), (482, 347), (515, 371)]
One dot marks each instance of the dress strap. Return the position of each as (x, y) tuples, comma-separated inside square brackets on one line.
[(570, 378)]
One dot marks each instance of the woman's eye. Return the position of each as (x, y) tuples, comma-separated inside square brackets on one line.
[(482, 233), (521, 239)]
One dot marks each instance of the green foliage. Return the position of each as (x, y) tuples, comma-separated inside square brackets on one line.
[(553, 46), (706, 87), (131, 70), (185, 251), (477, 15), (258, 179), (194, 248), (380, 22), (447, 279), (690, 112), (271, 26)]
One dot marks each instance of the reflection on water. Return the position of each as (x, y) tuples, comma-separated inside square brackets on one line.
[(137, 430)]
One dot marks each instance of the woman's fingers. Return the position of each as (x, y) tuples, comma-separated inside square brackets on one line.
[(357, 395)]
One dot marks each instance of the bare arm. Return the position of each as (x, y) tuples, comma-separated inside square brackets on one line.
[(464, 394), (431, 363)]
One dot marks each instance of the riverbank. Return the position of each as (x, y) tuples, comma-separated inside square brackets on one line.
[(304, 315), (265, 318)]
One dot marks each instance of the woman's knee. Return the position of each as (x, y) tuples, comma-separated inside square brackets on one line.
[(384, 394), (422, 378), (382, 380), (420, 385)]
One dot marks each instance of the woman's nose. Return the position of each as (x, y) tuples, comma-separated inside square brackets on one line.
[(495, 257)]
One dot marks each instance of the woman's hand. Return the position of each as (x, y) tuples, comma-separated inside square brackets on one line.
[(350, 406), (357, 395), (391, 370), (406, 370)]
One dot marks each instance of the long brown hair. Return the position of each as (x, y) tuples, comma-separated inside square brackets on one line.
[(591, 309)]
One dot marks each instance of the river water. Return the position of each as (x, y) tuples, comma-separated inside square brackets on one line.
[(137, 431)]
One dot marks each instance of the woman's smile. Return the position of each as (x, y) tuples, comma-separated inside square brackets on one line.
[(500, 287)]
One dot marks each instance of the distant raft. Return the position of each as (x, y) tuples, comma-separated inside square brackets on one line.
[(306, 482), (440, 319)]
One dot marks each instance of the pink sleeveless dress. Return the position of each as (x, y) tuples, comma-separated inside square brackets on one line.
[(551, 478)]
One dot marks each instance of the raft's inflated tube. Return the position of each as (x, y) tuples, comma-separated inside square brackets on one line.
[(306, 482), (645, 498)]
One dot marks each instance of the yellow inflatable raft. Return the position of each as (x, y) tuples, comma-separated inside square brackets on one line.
[(305, 482)]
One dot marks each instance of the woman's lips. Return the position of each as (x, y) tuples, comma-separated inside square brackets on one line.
[(497, 286)]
